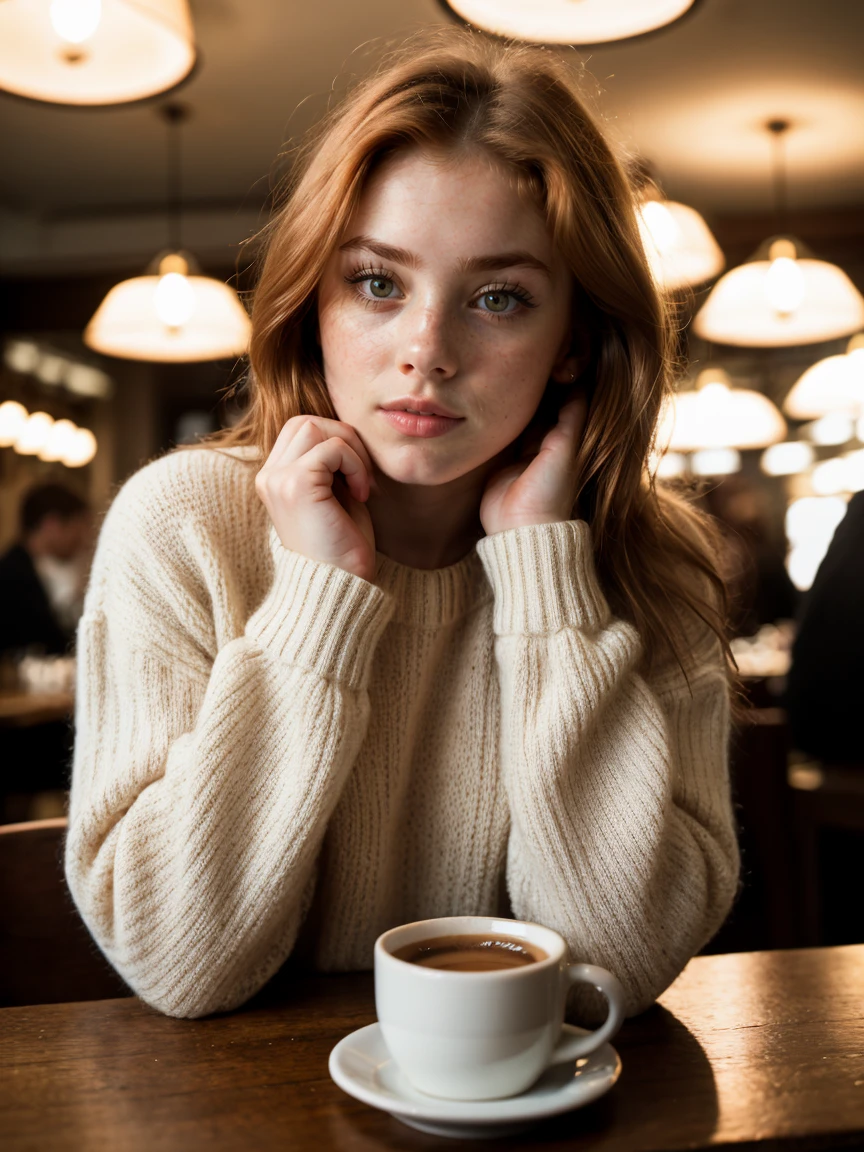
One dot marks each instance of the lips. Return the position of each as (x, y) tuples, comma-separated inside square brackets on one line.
[(419, 407), (419, 424)]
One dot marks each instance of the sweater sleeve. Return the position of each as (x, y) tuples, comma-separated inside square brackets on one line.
[(204, 776), (622, 832)]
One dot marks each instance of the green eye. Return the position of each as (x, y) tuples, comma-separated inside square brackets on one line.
[(496, 301), (381, 287)]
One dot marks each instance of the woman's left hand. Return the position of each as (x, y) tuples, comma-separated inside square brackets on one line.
[(540, 488)]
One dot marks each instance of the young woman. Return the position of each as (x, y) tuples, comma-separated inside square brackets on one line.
[(418, 637)]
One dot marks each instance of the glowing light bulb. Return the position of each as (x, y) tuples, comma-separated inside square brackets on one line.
[(81, 450), (173, 299), (75, 20), (13, 417), (34, 433), (784, 285), (59, 441), (661, 226)]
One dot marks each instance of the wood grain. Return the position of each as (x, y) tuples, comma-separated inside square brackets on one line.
[(759, 1048)]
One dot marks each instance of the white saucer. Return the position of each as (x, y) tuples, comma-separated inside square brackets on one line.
[(361, 1066)]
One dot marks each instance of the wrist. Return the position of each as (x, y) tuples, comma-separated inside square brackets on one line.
[(534, 521)]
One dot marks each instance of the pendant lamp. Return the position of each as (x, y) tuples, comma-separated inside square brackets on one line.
[(680, 247), (172, 313), (715, 415), (94, 52), (788, 458), (568, 21), (835, 384), (780, 297)]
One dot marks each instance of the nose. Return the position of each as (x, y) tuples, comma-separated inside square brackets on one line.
[(428, 347)]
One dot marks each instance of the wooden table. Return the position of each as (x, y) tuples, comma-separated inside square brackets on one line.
[(752, 1048)]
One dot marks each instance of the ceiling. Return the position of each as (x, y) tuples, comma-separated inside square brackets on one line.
[(693, 99)]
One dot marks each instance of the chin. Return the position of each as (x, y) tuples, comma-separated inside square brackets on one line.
[(424, 473)]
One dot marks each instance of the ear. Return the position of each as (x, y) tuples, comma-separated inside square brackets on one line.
[(572, 358)]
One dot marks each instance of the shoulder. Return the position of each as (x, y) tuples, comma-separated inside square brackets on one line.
[(184, 494), (183, 515), (15, 564), (185, 483)]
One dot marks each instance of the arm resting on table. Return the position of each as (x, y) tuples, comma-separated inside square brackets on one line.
[(622, 833), (202, 785)]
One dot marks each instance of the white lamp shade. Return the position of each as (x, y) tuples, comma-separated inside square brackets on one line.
[(832, 428), (127, 323), (829, 477), (835, 384), (739, 310), (680, 247), (788, 458), (136, 49), (563, 22), (670, 466), (715, 462), (716, 416)]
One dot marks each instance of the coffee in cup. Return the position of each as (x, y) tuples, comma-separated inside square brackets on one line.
[(471, 953), (472, 1007)]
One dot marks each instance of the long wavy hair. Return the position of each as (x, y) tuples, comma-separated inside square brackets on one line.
[(452, 90)]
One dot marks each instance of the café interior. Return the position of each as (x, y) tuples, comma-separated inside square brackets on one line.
[(133, 198)]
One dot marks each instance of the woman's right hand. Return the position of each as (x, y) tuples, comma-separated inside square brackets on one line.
[(314, 511)]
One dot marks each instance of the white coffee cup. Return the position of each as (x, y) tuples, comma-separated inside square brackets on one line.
[(483, 1035)]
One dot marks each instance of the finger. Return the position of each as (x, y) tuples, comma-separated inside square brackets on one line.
[(571, 419), (294, 441), (286, 450), (287, 433), (332, 456), (576, 404)]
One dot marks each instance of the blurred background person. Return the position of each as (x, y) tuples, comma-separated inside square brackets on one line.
[(42, 581), (42, 576)]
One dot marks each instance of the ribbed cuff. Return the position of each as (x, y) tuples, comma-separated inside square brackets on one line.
[(320, 617), (543, 579)]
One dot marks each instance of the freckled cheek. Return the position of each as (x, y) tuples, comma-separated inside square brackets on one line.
[(515, 379), (350, 349)]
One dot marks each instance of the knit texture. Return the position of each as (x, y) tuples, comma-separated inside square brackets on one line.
[(266, 743)]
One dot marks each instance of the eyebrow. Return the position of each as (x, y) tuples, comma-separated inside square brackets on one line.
[(517, 259)]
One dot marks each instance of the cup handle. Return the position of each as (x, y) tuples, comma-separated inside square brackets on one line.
[(571, 1047)]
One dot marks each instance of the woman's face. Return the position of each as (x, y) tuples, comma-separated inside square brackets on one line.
[(447, 286)]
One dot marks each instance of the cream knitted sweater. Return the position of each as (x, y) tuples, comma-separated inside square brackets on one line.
[(263, 739)]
